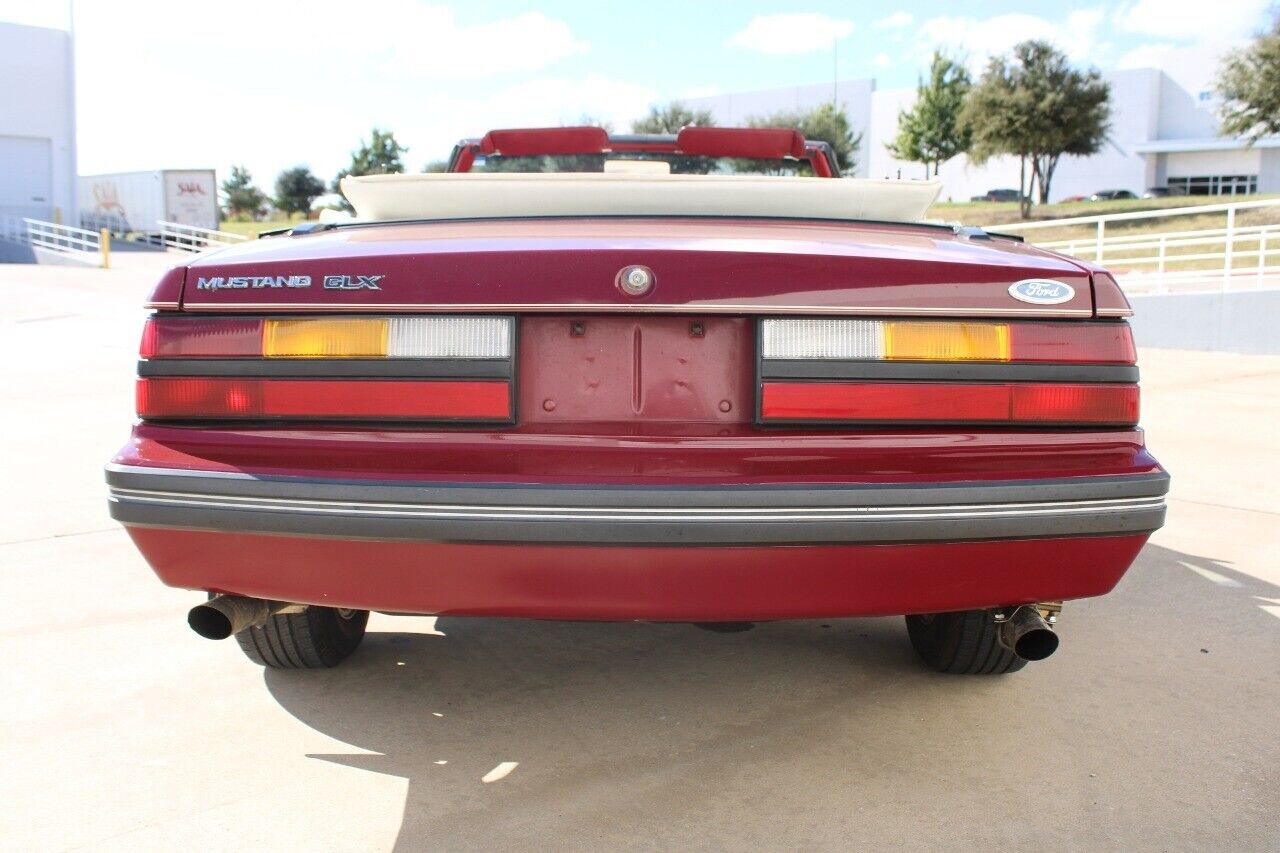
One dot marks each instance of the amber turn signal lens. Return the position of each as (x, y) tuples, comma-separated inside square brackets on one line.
[(311, 338), (946, 341)]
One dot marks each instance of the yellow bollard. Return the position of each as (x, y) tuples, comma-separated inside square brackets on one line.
[(104, 246)]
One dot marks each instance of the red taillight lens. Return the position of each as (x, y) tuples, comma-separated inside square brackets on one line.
[(194, 337), (1085, 404), (199, 398), (945, 402), (1072, 343)]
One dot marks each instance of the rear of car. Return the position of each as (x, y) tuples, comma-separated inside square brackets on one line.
[(673, 418)]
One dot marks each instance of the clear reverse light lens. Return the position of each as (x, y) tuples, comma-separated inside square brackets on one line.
[(449, 337), (822, 338)]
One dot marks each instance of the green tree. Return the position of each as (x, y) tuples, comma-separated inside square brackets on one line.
[(1249, 84), (826, 123), (242, 198), (296, 188), (381, 155), (930, 132), (436, 166), (1035, 106), (670, 118)]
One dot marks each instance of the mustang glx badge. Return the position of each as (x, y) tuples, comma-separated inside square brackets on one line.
[(241, 282), (352, 282), (1041, 291), (245, 282)]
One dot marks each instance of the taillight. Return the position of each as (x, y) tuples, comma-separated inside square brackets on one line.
[(934, 340), (843, 370), (201, 398), (952, 402), (197, 337), (426, 368), (328, 337)]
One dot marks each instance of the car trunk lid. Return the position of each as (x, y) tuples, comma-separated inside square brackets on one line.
[(735, 266)]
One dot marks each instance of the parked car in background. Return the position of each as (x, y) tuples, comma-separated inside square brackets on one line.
[(998, 195), (1163, 192), (1112, 195), (670, 389)]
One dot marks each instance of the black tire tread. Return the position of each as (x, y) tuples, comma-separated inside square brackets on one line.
[(966, 643), (317, 638)]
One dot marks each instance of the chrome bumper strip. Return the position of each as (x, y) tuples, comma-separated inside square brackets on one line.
[(855, 514)]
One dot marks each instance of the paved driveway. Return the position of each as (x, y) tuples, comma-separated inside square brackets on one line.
[(1155, 727)]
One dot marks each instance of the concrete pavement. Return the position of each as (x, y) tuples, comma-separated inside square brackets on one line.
[(1153, 728)]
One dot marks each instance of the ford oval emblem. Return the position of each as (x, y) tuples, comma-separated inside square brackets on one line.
[(1042, 291)]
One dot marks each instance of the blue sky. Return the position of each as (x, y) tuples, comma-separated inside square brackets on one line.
[(272, 83)]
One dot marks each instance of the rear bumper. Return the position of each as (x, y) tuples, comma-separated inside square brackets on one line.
[(654, 552), (652, 516)]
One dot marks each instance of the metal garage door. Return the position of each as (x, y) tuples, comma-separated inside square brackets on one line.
[(26, 177)]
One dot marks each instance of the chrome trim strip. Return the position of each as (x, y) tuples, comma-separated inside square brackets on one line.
[(769, 496), (668, 529), (660, 516), (684, 514), (621, 308)]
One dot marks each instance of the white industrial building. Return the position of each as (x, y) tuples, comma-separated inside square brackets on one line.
[(1163, 134), (37, 123)]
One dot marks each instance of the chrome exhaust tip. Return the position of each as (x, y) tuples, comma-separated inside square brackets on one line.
[(1025, 633)]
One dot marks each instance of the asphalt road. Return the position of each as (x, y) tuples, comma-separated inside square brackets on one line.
[(1155, 727)]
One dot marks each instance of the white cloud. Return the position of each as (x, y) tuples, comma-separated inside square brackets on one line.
[(290, 89), (548, 101), (404, 37), (526, 42), (979, 40), (1147, 56), (799, 32), (881, 60), (896, 21), (1192, 20)]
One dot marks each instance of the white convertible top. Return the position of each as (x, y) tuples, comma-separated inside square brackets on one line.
[(526, 194)]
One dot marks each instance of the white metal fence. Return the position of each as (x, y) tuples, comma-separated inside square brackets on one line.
[(190, 238), (94, 247), (1230, 257), (66, 241)]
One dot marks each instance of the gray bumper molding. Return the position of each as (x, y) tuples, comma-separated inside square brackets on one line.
[(608, 515)]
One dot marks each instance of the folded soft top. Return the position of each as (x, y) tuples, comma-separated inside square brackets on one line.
[(505, 194)]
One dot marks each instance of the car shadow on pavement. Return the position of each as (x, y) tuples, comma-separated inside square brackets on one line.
[(815, 732)]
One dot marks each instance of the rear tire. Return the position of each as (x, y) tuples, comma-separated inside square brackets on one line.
[(966, 643), (316, 638)]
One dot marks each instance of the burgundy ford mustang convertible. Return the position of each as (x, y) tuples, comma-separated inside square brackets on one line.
[(683, 378)]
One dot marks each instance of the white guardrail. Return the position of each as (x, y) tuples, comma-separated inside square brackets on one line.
[(1231, 257), (67, 241), (94, 247), (190, 238)]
